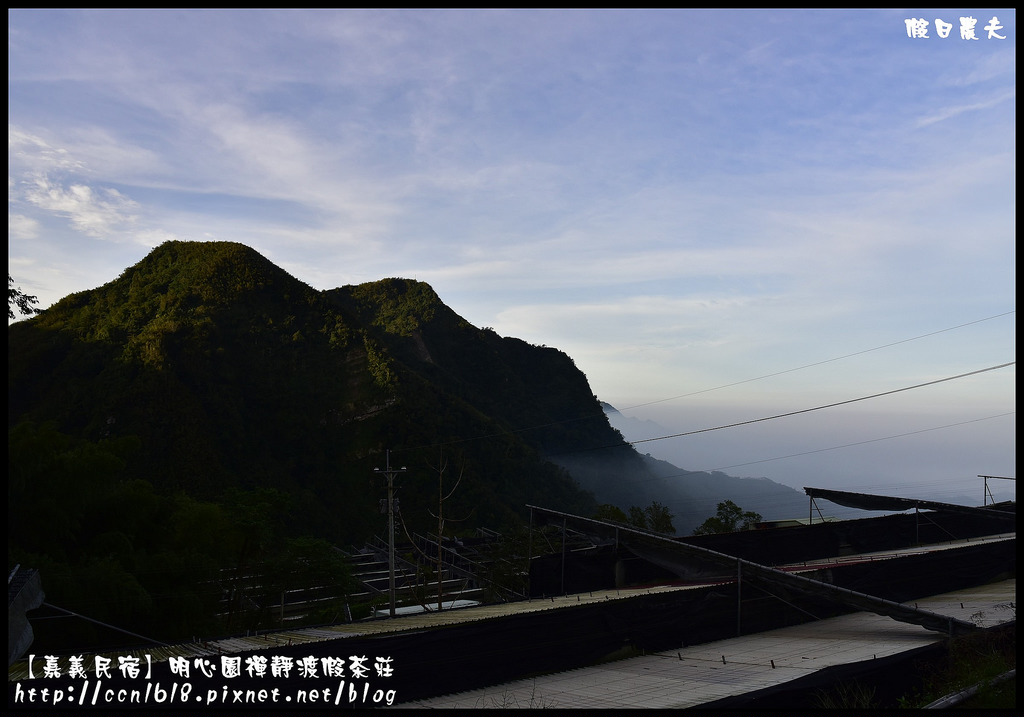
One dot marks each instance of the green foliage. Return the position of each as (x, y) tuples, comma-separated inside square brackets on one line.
[(610, 513), (973, 660), (846, 696), (729, 518), (658, 518), (57, 486), (637, 517), (291, 564), (204, 345), (17, 299), (655, 517), (397, 306), (204, 409), (110, 548), (379, 366), (90, 530)]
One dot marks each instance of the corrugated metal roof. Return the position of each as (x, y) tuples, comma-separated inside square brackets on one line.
[(428, 620), (692, 676), (402, 623)]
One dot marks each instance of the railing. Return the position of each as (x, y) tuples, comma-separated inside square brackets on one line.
[(467, 567)]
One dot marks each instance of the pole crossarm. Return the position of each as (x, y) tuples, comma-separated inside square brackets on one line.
[(768, 577)]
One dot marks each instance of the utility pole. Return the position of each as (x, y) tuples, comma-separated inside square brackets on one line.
[(390, 473)]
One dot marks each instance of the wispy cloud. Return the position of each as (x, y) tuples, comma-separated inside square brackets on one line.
[(668, 195), (49, 178), (22, 227), (33, 154), (97, 213), (953, 111)]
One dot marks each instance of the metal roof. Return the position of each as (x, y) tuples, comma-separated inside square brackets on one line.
[(433, 619), (666, 551), (693, 676), (869, 501)]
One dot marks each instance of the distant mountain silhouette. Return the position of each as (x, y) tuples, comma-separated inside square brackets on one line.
[(693, 496)]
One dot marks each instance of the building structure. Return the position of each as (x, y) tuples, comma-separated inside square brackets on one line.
[(587, 608)]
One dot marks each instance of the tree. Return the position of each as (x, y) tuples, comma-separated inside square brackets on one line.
[(441, 498), (729, 519), (25, 303), (638, 517), (610, 513), (656, 517), (438, 562), (659, 519)]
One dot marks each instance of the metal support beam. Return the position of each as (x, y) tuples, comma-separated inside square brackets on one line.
[(739, 595), (762, 575), (988, 493), (563, 556)]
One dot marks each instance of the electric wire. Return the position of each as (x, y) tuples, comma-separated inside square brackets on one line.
[(685, 473), (770, 504), (819, 363), (594, 416), (804, 410), (861, 443)]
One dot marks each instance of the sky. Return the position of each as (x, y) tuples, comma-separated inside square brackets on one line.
[(721, 216)]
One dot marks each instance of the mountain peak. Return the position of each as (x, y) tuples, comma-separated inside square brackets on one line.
[(217, 270), (178, 281), (398, 306)]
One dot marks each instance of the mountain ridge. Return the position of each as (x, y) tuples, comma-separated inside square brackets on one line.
[(216, 332), (244, 356), (206, 412)]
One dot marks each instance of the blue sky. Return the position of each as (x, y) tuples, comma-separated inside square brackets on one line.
[(682, 201)]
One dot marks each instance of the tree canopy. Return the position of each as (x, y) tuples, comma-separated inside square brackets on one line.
[(18, 299), (656, 517), (729, 518)]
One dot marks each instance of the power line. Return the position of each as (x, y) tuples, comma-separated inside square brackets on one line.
[(819, 408), (845, 445), (861, 443), (819, 363), (816, 408), (775, 501), (707, 390)]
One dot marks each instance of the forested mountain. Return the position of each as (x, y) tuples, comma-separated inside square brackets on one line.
[(229, 373), (206, 410)]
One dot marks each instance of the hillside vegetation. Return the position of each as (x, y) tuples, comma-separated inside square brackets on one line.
[(208, 412)]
